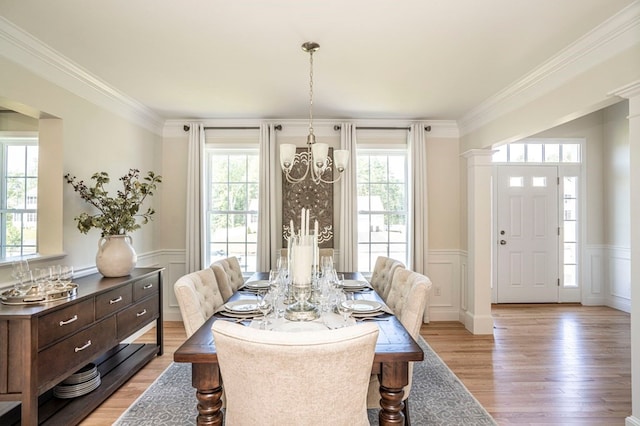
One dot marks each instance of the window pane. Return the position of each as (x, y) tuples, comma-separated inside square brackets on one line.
[(539, 181), (378, 171), (570, 279), (569, 184), (570, 231), (16, 160), (500, 154), (219, 197), (396, 169), (571, 153), (569, 253), (551, 153), (516, 153), (363, 169), (534, 153), (516, 181), (15, 193), (569, 209)]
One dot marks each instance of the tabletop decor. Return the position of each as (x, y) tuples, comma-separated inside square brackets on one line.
[(303, 261), (116, 217)]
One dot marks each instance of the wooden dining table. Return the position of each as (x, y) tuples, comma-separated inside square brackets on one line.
[(395, 349)]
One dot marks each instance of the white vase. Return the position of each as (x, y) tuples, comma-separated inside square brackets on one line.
[(116, 256)]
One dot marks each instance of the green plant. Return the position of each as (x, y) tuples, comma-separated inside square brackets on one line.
[(116, 215)]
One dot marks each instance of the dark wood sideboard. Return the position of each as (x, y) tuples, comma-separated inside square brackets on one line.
[(41, 345)]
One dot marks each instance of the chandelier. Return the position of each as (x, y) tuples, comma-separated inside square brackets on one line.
[(315, 159)]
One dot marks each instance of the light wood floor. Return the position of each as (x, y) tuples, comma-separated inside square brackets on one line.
[(544, 365)]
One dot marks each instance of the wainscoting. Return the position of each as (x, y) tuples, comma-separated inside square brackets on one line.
[(607, 277)]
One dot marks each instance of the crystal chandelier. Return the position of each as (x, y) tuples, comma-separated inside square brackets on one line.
[(316, 158)]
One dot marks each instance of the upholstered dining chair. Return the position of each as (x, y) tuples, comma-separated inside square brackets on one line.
[(407, 298), (302, 379), (229, 276), (382, 274), (198, 297)]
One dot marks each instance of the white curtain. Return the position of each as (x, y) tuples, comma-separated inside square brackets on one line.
[(194, 255), (418, 219), (348, 220), (267, 208)]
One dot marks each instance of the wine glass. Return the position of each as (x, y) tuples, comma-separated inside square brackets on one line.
[(345, 307), (20, 269), (41, 278), (264, 306), (66, 275)]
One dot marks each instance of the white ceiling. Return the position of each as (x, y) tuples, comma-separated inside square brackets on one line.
[(409, 59)]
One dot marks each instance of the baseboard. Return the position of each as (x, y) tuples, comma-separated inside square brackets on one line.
[(632, 421), (478, 324)]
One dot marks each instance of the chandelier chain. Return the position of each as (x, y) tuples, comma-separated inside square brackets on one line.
[(311, 92)]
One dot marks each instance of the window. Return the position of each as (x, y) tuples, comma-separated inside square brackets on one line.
[(538, 152), (232, 205), (19, 196), (570, 241), (382, 206)]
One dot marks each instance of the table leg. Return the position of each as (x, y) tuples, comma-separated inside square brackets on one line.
[(393, 378), (206, 379)]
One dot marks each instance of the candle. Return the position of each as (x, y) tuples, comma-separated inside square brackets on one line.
[(291, 231), (307, 223)]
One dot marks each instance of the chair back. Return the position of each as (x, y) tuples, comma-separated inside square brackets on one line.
[(198, 297), (229, 275), (313, 378), (408, 299), (382, 275)]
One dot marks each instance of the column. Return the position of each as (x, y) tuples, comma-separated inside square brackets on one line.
[(632, 92), (476, 292)]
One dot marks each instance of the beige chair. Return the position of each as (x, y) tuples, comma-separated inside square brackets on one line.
[(314, 378), (407, 298), (229, 276), (198, 297), (382, 275)]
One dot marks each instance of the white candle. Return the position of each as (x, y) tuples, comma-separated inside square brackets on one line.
[(302, 217), (291, 230), (307, 223)]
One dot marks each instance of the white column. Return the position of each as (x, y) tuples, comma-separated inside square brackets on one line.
[(476, 295), (632, 92)]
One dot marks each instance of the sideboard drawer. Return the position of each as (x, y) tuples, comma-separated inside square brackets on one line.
[(137, 315), (63, 358), (146, 287), (113, 301), (63, 322)]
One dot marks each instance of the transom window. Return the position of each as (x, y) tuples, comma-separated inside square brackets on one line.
[(19, 196), (232, 205), (538, 152), (382, 206)]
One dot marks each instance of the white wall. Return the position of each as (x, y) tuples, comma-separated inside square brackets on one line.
[(93, 139)]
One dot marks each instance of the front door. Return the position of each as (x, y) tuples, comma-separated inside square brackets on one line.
[(527, 234)]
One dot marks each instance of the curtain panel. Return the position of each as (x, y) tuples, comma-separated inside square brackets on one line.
[(267, 206), (194, 245), (348, 217)]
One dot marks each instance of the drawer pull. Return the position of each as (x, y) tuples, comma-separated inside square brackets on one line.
[(86, 345), (69, 321), (139, 314), (147, 286), (116, 300)]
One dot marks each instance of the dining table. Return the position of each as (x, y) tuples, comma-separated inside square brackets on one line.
[(395, 349)]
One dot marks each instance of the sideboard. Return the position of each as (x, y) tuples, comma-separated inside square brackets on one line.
[(42, 344)]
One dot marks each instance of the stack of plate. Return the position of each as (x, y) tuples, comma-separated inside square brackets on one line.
[(79, 383), (256, 286), (355, 285), (241, 309), (365, 308)]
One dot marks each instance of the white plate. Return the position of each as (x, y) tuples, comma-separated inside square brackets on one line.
[(354, 284), (363, 306), (241, 306), (294, 326), (261, 284)]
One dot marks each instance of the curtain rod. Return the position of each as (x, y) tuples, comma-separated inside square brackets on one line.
[(186, 128), (338, 127)]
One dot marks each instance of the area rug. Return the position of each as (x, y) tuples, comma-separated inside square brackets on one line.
[(437, 398)]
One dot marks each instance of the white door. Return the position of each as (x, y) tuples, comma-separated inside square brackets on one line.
[(527, 234)]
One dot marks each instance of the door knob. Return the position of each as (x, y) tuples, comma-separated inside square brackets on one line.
[(503, 242)]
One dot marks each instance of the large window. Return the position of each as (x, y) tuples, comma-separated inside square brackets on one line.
[(19, 196), (382, 206), (232, 205)]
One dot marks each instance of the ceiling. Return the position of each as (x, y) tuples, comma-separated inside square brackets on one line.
[(405, 59)]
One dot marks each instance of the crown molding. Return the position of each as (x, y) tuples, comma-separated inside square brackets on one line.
[(21, 47), (613, 36)]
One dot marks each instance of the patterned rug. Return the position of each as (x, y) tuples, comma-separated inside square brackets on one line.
[(437, 398)]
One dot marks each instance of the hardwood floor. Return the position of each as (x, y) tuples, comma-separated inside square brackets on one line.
[(544, 365)]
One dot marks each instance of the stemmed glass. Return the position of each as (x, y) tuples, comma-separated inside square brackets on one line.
[(264, 306), (66, 275), (19, 272), (345, 307)]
